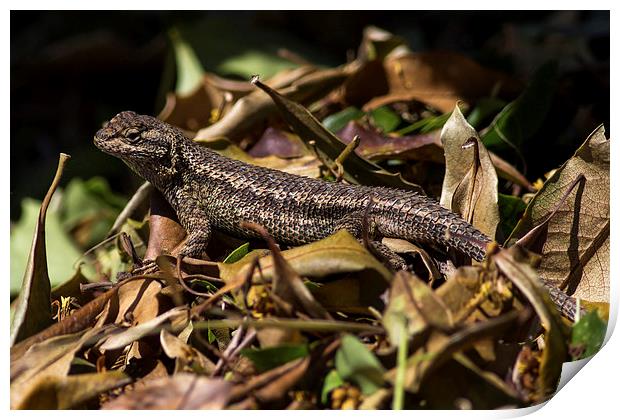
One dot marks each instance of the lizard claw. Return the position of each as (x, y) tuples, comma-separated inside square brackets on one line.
[(147, 267)]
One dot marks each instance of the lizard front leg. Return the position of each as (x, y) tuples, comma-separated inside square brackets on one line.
[(198, 230), (354, 224)]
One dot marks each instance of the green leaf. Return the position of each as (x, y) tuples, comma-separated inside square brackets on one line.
[(510, 211), (253, 62), (238, 253), (210, 336), (425, 125), (224, 48), (339, 120), (589, 332), (355, 363), (385, 119), (485, 108), (522, 118), (61, 252), (93, 204), (272, 357), (332, 381), (189, 69)]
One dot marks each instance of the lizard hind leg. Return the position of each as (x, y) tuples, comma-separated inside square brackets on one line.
[(354, 224)]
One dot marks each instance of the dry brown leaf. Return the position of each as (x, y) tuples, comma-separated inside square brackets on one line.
[(287, 284), (274, 383), (206, 104), (401, 246), (306, 165), (49, 359), (77, 321), (440, 79), (135, 302), (125, 337), (356, 169), (183, 391), (440, 348), (575, 255), (278, 143), (165, 231), (338, 253), (378, 146), (512, 263), (62, 393), (304, 84), (419, 147), (33, 310), (414, 300), (470, 183), (187, 358)]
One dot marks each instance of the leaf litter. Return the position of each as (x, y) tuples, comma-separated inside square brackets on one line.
[(327, 325)]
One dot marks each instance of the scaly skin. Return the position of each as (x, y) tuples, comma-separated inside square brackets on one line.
[(209, 191)]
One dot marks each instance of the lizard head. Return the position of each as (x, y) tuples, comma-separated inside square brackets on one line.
[(144, 143)]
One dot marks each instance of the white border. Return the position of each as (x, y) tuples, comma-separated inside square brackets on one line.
[(592, 394)]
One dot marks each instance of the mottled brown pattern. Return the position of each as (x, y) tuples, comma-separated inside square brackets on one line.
[(209, 191)]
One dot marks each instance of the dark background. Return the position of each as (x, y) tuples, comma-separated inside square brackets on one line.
[(70, 71)]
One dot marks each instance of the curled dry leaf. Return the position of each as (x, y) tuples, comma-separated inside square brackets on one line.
[(439, 80), (288, 285), (135, 302), (49, 359), (304, 84), (183, 391), (378, 43), (413, 300), (279, 143), (306, 165), (205, 104), (273, 384), (402, 246), (377, 146), (63, 393), (575, 250), (77, 321), (33, 311), (511, 262), (165, 231), (339, 253), (440, 348), (460, 384), (419, 147), (470, 183), (329, 147), (187, 358), (129, 335)]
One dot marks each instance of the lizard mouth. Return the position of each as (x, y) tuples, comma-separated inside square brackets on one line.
[(106, 141), (107, 138)]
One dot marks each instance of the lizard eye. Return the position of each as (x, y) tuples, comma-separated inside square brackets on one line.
[(132, 135)]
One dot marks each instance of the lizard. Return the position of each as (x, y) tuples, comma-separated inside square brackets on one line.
[(210, 191)]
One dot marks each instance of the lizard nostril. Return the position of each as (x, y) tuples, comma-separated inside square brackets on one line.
[(101, 134)]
